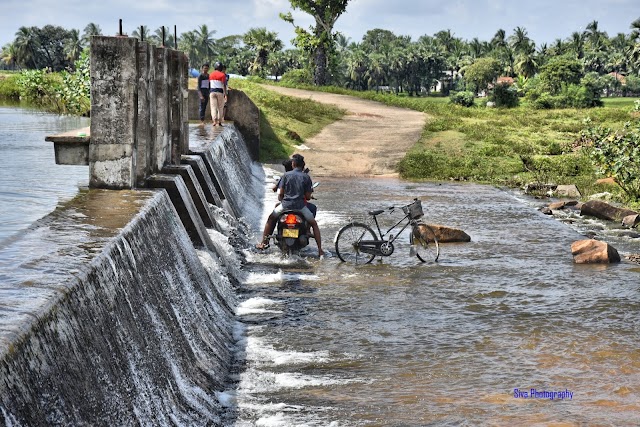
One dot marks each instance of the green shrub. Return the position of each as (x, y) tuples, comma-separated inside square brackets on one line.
[(297, 76), (616, 154), (505, 95), (464, 98), (9, 88)]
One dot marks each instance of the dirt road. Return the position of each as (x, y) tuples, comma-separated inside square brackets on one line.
[(369, 140)]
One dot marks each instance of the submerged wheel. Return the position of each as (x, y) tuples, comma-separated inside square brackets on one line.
[(347, 241), (425, 243)]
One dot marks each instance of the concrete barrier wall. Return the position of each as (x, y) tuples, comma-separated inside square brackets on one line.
[(140, 334)]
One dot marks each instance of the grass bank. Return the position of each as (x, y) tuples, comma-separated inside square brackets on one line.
[(285, 122), (501, 146)]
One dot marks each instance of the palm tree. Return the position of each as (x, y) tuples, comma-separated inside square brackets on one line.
[(90, 30), (26, 46), (188, 44), (141, 33), (576, 44), (205, 43), (156, 37), (9, 55), (635, 29), (73, 45), (520, 41), (499, 40), (262, 43)]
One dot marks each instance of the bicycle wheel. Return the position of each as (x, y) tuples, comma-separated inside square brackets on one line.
[(347, 243), (425, 243)]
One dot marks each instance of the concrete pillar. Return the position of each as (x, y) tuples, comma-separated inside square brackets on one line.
[(184, 86), (114, 110), (143, 129), (162, 144), (153, 109), (175, 115)]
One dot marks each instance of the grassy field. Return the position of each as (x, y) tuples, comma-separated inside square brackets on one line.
[(285, 122)]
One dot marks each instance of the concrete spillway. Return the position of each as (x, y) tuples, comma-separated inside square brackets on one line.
[(110, 316)]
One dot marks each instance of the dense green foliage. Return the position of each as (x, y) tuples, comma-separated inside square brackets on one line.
[(464, 98), (64, 92), (9, 88), (505, 95), (616, 154)]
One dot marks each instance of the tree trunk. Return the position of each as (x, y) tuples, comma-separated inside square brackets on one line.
[(320, 61)]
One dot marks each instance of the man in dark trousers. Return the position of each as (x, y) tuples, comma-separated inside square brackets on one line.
[(294, 188), (203, 90)]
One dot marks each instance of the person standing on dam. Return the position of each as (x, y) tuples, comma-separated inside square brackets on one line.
[(203, 90), (218, 93)]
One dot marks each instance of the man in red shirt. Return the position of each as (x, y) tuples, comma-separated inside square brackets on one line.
[(217, 93)]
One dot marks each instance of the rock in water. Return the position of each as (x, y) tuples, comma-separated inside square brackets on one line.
[(446, 234), (593, 252), (604, 210)]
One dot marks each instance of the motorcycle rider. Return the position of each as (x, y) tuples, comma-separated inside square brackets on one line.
[(295, 186)]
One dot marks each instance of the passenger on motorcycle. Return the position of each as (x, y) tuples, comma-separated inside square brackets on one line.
[(295, 187)]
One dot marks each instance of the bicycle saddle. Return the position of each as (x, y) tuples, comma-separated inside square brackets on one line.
[(378, 212)]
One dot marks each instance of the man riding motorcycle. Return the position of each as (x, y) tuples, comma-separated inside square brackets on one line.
[(294, 188)]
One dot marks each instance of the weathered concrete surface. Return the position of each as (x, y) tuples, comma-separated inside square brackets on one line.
[(144, 128), (591, 251), (202, 174), (161, 147), (71, 148), (114, 112), (197, 195), (184, 205)]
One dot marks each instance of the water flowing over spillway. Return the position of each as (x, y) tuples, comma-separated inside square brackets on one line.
[(109, 315)]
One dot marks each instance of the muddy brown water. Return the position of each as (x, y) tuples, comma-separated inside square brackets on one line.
[(400, 343)]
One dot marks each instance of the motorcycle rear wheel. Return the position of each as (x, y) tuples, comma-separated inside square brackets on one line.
[(347, 243)]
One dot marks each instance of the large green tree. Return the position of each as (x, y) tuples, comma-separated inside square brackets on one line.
[(320, 42)]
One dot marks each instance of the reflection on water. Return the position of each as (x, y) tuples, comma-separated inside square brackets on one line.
[(31, 184), (401, 343)]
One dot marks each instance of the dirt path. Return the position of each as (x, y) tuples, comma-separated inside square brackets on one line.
[(369, 140)]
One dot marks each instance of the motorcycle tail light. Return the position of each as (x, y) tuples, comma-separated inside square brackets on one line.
[(291, 219)]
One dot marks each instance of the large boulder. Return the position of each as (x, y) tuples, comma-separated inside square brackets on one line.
[(568, 191), (593, 252), (446, 234), (604, 210)]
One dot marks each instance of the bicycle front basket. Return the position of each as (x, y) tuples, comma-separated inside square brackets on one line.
[(414, 210)]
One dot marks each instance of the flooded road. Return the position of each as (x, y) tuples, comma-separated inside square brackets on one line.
[(400, 343)]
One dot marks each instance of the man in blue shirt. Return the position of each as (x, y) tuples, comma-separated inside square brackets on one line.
[(203, 90), (295, 187)]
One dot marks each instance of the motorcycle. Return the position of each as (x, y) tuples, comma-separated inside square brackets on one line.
[(292, 231)]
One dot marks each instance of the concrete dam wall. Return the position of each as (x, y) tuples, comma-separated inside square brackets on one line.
[(111, 313)]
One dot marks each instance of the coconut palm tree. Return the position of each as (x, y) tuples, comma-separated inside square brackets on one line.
[(73, 45), (262, 43), (90, 30), (26, 42), (520, 41), (576, 44), (141, 33), (9, 55), (205, 43)]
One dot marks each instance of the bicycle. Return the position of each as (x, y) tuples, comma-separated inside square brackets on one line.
[(357, 242)]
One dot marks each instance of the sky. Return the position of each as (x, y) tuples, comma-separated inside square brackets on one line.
[(544, 20)]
